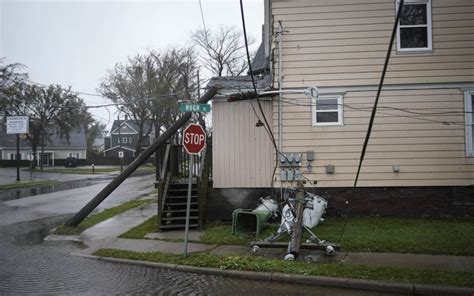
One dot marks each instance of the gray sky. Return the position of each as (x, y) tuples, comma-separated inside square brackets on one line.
[(73, 43)]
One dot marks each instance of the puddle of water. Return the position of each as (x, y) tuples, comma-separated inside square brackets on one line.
[(18, 193)]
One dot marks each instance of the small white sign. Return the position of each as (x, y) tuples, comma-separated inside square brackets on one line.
[(120, 154), (18, 125)]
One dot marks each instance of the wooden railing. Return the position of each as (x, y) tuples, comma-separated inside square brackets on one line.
[(175, 165)]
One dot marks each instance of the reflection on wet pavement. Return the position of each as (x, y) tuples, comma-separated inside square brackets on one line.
[(31, 266), (17, 193)]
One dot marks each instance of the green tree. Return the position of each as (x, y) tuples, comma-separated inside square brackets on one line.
[(53, 110), (10, 78), (94, 130)]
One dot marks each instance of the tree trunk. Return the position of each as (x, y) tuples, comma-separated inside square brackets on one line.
[(157, 155), (42, 151)]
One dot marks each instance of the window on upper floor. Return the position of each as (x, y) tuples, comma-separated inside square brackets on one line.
[(469, 109), (327, 110), (414, 33)]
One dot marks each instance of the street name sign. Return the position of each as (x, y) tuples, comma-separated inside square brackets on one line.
[(192, 107), (18, 124), (194, 138)]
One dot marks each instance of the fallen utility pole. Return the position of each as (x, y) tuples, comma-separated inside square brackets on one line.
[(244, 96), (161, 140)]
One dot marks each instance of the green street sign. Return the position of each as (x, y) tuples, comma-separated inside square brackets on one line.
[(191, 107)]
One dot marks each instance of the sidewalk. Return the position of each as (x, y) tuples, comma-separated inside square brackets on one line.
[(104, 235)]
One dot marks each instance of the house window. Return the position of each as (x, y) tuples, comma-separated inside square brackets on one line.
[(13, 156), (468, 106), (414, 28), (327, 110), (124, 140)]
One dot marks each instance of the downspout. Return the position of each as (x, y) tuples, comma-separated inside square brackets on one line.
[(280, 140)]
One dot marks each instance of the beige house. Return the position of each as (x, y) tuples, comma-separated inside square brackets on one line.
[(423, 132)]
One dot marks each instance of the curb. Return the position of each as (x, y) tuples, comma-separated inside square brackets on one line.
[(348, 283)]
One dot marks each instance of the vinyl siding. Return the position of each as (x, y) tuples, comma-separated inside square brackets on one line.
[(242, 154), (342, 43), (430, 148)]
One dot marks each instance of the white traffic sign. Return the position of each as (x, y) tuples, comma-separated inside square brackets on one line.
[(18, 125)]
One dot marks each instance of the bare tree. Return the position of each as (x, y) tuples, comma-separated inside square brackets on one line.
[(222, 51), (147, 87)]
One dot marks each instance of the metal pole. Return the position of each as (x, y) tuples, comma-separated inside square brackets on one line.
[(18, 157), (120, 143), (188, 205), (92, 204), (280, 78)]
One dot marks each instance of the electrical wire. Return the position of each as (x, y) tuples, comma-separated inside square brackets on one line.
[(374, 110), (266, 124), (398, 115), (202, 18)]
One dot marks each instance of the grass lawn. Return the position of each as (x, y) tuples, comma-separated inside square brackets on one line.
[(28, 183), (101, 216), (252, 263), (139, 231), (399, 235)]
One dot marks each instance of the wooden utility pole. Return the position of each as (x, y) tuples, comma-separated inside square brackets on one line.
[(160, 141), (294, 247)]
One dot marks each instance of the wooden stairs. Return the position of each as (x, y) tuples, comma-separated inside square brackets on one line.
[(174, 207)]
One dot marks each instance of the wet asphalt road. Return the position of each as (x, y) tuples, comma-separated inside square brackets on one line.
[(32, 266)]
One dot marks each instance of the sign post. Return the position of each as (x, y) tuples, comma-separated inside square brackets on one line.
[(194, 141), (18, 125)]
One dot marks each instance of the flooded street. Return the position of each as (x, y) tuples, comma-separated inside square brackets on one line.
[(33, 266), (17, 193)]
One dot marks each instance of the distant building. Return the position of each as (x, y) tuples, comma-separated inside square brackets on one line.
[(124, 136), (55, 152)]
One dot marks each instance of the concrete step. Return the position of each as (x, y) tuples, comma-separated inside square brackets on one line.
[(177, 226), (178, 218)]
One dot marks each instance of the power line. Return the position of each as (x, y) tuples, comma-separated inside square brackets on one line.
[(202, 17), (266, 125), (77, 92), (374, 110), (396, 115)]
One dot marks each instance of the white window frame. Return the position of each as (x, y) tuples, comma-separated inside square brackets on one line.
[(340, 121), (429, 26), (124, 140), (468, 107)]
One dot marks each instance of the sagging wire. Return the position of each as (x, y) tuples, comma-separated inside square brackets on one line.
[(399, 115), (372, 117), (266, 124)]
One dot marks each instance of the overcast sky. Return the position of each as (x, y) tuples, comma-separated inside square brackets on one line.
[(73, 43)]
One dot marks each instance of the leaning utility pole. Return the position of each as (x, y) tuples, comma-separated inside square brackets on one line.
[(91, 205)]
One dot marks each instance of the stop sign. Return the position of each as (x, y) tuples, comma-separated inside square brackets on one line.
[(194, 138)]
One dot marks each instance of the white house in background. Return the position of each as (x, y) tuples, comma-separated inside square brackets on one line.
[(55, 151), (422, 139)]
